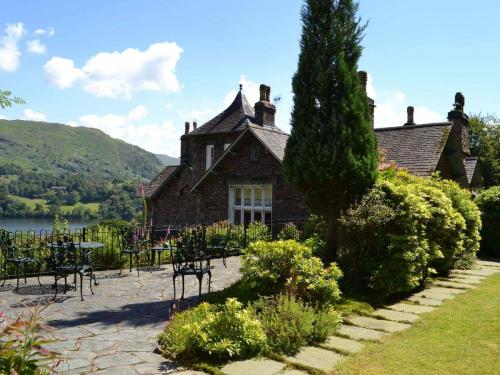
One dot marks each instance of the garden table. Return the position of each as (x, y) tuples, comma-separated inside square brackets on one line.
[(158, 249)]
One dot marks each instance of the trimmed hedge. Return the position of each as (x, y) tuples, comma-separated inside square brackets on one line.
[(489, 203), (405, 229)]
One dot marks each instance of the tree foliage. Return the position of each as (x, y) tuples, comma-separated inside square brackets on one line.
[(7, 100), (485, 144), (331, 155)]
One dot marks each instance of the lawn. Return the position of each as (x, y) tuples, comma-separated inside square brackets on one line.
[(68, 209), (30, 202), (460, 337)]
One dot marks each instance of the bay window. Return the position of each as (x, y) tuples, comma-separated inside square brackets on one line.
[(249, 203)]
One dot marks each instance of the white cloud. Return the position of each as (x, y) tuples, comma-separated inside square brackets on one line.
[(370, 89), (9, 51), (36, 47), (391, 109), (119, 74), (31, 115), (48, 31), (61, 72), (200, 116), (250, 89), (72, 123), (159, 138), (3, 117)]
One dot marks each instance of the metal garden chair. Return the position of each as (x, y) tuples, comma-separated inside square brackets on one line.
[(133, 244), (18, 255)]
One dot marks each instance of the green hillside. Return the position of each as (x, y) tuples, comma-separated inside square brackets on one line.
[(167, 160), (51, 148)]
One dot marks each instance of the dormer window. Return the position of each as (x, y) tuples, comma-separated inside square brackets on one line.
[(210, 156)]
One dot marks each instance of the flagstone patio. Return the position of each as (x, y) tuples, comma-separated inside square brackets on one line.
[(113, 331)]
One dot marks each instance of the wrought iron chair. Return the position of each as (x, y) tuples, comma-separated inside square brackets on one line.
[(218, 245), (67, 260), (189, 257), (164, 243), (18, 255), (133, 243)]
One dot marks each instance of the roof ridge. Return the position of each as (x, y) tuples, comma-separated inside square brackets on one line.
[(416, 126)]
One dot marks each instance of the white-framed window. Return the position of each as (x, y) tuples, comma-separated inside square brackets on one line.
[(249, 203), (210, 155)]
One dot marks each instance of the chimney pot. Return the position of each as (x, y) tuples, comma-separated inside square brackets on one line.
[(264, 109), (363, 79), (262, 90), (459, 102), (186, 127), (410, 112), (195, 124)]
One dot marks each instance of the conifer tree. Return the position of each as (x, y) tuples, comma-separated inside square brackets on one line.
[(331, 155)]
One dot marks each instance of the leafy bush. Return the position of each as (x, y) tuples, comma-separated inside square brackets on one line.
[(289, 231), (218, 333), (489, 203), (21, 346), (383, 241), (258, 231), (289, 323), (404, 229), (289, 266)]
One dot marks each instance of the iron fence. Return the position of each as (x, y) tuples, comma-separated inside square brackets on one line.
[(108, 256)]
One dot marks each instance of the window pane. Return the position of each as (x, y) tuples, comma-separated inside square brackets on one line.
[(247, 217), (248, 196), (237, 197), (268, 196), (257, 216), (258, 197), (267, 217), (237, 217)]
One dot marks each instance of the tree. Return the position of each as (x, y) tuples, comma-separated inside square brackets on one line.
[(6, 99), (485, 144), (331, 155)]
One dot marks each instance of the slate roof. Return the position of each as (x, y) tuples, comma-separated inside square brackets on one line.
[(470, 167), (156, 183), (414, 147), (236, 117), (274, 139)]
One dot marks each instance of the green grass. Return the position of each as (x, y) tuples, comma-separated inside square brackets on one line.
[(30, 202), (460, 337), (67, 209)]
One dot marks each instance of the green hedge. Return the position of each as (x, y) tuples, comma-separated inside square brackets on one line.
[(405, 229), (489, 203)]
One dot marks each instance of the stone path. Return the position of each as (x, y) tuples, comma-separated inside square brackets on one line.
[(113, 331), (356, 330)]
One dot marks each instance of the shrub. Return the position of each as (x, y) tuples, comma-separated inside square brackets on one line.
[(489, 204), (218, 333), (383, 240), (289, 231), (258, 231), (289, 323), (21, 346), (289, 266)]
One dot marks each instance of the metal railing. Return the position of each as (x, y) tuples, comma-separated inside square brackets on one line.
[(108, 256)]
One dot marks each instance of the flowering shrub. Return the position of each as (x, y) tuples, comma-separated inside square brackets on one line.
[(219, 333), (289, 266), (289, 231), (21, 346), (489, 203), (289, 323)]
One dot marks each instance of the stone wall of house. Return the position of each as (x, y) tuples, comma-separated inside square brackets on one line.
[(175, 206)]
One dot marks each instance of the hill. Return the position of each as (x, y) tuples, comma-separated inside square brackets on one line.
[(58, 149), (167, 160)]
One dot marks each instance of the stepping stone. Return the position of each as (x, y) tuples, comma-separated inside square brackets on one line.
[(121, 370), (453, 284), (343, 345), (360, 333), (253, 366), (466, 279), (423, 301), (292, 372), (411, 308), (475, 272), (439, 293), (488, 263), (378, 324), (317, 358), (396, 316), (165, 366), (114, 359)]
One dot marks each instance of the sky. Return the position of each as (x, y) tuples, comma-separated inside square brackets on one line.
[(138, 70)]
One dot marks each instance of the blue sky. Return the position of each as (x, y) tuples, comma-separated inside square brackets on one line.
[(139, 69)]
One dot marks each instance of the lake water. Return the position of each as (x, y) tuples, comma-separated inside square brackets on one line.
[(37, 224)]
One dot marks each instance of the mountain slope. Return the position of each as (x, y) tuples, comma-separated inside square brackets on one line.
[(61, 149), (167, 160)]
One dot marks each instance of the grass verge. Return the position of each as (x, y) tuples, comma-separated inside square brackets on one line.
[(460, 337)]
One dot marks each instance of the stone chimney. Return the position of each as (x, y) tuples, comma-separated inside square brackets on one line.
[(264, 109), (363, 82), (460, 123), (186, 127), (409, 113)]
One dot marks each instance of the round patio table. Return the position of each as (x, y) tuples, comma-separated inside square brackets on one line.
[(158, 249)]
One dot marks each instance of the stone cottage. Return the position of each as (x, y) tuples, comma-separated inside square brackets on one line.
[(231, 166)]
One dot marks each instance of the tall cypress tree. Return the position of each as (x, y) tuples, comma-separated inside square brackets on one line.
[(331, 155)]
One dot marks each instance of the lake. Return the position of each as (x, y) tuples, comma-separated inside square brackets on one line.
[(37, 224)]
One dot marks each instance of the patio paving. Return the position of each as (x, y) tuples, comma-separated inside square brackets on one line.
[(113, 331)]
